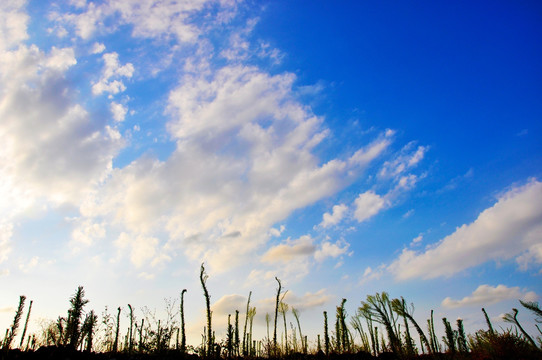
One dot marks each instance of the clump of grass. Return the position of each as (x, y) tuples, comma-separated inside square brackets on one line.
[(77, 302), (378, 307), (400, 308), (485, 344), (88, 328), (341, 330), (450, 338)]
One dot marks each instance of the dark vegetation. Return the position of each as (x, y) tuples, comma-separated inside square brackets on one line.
[(382, 328)]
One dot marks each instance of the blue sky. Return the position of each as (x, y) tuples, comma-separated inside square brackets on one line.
[(346, 149)]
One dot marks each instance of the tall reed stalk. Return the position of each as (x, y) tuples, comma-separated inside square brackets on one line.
[(275, 347), (116, 344), (203, 278), (245, 340), (131, 327), (326, 334), (13, 331), (183, 334), (303, 343), (25, 324)]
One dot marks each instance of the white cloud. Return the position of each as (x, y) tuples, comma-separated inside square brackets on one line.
[(405, 160), (333, 250), (247, 146), (87, 232), (487, 295), (26, 267), (418, 239), (300, 302), (367, 154), (276, 232), (98, 48), (52, 148), (61, 59), (227, 304), (119, 111), (149, 18), (87, 22), (532, 256), (6, 231), (510, 228), (256, 276), (368, 204), (307, 300), (335, 217), (112, 72), (290, 250), (13, 24), (141, 248), (371, 274)]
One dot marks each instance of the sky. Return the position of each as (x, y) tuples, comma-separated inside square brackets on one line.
[(347, 148)]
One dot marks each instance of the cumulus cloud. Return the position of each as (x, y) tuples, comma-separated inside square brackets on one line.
[(141, 248), (227, 304), (112, 73), (276, 232), (330, 249), (119, 111), (290, 250), (52, 147), (511, 228), (335, 217), (368, 204), (86, 232), (98, 48), (307, 300), (13, 25), (487, 295)]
